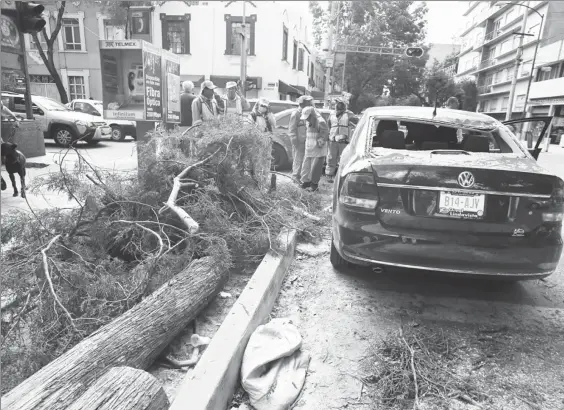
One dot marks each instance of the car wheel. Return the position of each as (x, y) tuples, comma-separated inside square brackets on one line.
[(93, 142), (63, 136), (279, 157), (336, 260), (117, 133)]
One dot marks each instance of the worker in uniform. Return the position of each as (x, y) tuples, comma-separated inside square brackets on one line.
[(341, 123), (297, 132)]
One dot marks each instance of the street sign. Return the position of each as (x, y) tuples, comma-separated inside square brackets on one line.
[(329, 62), (414, 52)]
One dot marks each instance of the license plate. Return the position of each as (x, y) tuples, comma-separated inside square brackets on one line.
[(462, 205)]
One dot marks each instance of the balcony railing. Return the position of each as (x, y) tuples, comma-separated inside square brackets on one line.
[(485, 89), (492, 35)]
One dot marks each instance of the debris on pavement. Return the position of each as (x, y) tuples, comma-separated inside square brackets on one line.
[(274, 367), (225, 295), (312, 250)]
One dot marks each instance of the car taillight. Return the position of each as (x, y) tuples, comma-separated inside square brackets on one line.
[(359, 191), (555, 213)]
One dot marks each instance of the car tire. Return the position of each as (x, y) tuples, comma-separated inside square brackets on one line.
[(279, 157), (63, 136), (93, 142), (337, 260), (117, 133)]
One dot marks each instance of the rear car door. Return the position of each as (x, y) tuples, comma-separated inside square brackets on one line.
[(530, 132)]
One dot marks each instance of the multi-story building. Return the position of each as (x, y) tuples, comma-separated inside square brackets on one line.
[(207, 36), (490, 41)]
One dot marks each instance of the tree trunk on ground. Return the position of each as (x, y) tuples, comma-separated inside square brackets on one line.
[(123, 388), (134, 339)]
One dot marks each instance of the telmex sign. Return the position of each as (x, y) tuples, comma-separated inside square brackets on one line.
[(133, 44)]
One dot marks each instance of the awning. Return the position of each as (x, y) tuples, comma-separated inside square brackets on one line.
[(221, 81), (196, 79), (318, 95), (302, 89), (284, 88)]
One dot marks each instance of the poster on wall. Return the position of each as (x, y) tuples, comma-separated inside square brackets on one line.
[(123, 82), (171, 97), (153, 83)]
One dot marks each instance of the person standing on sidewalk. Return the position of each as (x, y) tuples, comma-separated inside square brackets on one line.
[(186, 100), (233, 101), (204, 108), (262, 116), (341, 123), (297, 133), (317, 135)]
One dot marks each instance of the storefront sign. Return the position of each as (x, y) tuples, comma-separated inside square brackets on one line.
[(547, 101), (121, 44)]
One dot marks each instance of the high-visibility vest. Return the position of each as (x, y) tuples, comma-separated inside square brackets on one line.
[(339, 126)]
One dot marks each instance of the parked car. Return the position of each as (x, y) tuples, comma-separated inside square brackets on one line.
[(58, 122), (472, 202), (282, 145), (276, 106), (120, 128)]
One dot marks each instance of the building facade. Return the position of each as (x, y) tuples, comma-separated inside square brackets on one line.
[(490, 42), (281, 63)]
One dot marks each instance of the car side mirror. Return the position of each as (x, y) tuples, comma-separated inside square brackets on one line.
[(38, 111)]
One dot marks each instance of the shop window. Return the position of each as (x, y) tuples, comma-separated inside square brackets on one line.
[(113, 30)]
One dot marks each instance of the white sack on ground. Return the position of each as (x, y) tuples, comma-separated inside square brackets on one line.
[(274, 368)]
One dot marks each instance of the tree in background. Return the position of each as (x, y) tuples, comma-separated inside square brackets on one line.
[(374, 23)]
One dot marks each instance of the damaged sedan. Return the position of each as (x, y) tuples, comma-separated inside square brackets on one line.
[(448, 191)]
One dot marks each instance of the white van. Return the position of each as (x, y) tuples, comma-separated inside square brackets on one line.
[(120, 128)]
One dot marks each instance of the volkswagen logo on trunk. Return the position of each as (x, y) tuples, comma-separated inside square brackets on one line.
[(466, 179)]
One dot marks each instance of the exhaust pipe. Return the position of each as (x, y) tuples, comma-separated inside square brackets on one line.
[(378, 269)]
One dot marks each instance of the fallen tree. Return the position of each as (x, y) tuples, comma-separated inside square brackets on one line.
[(134, 339), (205, 195), (123, 388)]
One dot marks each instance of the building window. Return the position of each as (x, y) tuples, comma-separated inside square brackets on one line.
[(176, 33), (234, 27), (534, 30), (308, 66), (548, 72), (519, 102), (510, 16), (526, 69), (506, 46), (311, 71), (489, 79), (295, 55), (113, 30), (504, 103), (77, 88), (284, 43), (301, 59), (71, 34)]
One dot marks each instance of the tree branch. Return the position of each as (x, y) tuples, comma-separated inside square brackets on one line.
[(191, 224), (50, 282), (58, 25)]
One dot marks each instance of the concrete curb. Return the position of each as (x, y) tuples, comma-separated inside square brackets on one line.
[(212, 383)]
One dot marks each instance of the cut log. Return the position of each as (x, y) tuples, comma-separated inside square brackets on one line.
[(134, 339), (123, 388)]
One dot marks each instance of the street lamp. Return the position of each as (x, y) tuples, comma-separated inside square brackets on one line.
[(534, 55)]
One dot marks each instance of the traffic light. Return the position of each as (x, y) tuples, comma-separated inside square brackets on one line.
[(414, 52), (29, 17)]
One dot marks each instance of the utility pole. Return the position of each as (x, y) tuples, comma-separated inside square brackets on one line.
[(330, 51), (243, 79), (516, 69)]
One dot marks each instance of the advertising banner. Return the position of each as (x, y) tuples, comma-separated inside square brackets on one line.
[(152, 74), (171, 97), (123, 91)]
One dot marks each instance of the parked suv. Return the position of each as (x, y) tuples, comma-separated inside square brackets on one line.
[(58, 122), (120, 128)]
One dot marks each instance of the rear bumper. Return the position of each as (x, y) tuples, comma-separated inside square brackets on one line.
[(517, 258)]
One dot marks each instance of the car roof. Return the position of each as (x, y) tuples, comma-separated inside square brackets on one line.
[(85, 100), (444, 116)]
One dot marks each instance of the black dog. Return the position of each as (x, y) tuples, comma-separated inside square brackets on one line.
[(15, 164)]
